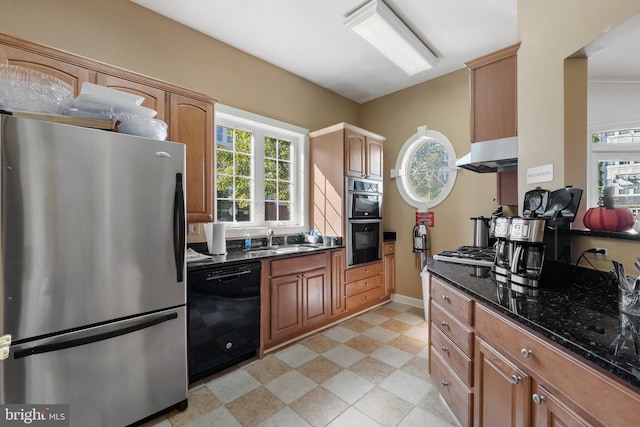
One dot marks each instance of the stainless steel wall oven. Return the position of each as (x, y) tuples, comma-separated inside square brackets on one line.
[(364, 220)]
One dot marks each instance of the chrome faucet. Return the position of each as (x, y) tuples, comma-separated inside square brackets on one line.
[(269, 237)]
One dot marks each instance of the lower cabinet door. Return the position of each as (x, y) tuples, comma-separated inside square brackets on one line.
[(550, 410), (503, 391), (453, 391)]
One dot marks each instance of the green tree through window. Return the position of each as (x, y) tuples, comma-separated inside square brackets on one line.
[(234, 176)]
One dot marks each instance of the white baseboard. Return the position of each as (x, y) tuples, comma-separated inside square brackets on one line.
[(402, 299)]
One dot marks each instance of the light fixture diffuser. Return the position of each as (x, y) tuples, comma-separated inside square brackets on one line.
[(379, 26)]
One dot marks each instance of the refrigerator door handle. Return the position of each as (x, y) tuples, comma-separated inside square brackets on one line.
[(179, 228), (46, 348)]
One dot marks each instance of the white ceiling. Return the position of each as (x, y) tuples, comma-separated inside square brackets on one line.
[(307, 38)]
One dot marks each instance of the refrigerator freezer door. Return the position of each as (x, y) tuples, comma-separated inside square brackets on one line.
[(111, 375), (89, 224)]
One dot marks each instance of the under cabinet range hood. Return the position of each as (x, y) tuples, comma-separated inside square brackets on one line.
[(497, 155)]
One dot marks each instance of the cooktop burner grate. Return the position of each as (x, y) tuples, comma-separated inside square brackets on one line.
[(470, 255)]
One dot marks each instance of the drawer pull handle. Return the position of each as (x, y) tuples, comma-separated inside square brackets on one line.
[(516, 379), (444, 383), (526, 353), (538, 399), (445, 298), (444, 324), (445, 349)]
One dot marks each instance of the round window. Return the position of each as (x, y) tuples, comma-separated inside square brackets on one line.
[(425, 169)]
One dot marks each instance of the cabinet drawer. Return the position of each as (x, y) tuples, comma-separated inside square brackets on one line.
[(457, 395), (362, 285), (389, 248), (460, 334), (359, 273), (457, 361), (569, 375), (295, 264), (452, 300), (365, 298)]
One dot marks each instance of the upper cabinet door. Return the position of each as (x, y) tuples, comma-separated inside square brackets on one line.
[(191, 123), (355, 147), (154, 98), (68, 73), (374, 159), (494, 95)]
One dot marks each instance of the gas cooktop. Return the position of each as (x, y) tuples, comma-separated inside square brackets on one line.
[(469, 255)]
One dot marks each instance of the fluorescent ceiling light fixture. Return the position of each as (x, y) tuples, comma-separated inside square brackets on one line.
[(378, 25)]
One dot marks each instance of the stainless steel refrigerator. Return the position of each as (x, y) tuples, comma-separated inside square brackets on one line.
[(92, 272)]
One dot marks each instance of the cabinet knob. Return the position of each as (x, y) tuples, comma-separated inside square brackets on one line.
[(366, 284), (366, 270), (445, 298), (516, 379), (210, 216), (526, 353), (367, 297), (538, 399), (444, 324), (445, 349), (444, 383)]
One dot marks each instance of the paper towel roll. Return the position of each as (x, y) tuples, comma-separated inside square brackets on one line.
[(215, 238)]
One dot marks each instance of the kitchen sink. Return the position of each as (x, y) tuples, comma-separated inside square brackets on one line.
[(286, 249)]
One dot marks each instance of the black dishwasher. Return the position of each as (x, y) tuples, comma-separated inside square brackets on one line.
[(223, 305)]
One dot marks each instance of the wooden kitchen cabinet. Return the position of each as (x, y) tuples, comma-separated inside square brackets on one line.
[(338, 263), (364, 286), (493, 109), (451, 348), (363, 155), (298, 294), (189, 114), (191, 123), (493, 80), (389, 260), (502, 390), (562, 391), (154, 98), (48, 62), (336, 152)]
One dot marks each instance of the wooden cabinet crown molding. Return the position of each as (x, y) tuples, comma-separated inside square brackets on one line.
[(493, 57), (100, 67), (346, 126)]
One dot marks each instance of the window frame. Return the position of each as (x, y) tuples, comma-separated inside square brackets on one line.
[(261, 126), (411, 145), (600, 152)]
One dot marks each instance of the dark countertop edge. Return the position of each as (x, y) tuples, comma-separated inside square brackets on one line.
[(621, 235), (606, 367), (242, 257)]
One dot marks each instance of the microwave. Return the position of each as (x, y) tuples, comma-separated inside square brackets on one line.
[(364, 198)]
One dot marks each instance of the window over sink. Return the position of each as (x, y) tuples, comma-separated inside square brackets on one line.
[(260, 173)]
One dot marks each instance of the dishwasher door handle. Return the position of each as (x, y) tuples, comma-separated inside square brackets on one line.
[(222, 276)]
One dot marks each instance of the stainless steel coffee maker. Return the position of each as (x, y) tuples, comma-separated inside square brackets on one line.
[(504, 250), (526, 236)]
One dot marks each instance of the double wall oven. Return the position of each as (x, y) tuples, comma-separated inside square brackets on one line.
[(364, 220)]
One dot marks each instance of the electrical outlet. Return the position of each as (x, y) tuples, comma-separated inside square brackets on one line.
[(194, 228)]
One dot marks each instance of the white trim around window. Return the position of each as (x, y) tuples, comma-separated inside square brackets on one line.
[(263, 126)]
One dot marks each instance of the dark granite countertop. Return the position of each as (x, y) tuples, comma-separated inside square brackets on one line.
[(578, 310), (237, 256)]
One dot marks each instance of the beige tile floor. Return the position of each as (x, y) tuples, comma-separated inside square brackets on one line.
[(367, 371)]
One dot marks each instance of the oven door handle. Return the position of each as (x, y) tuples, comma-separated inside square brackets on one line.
[(365, 221), (365, 193)]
